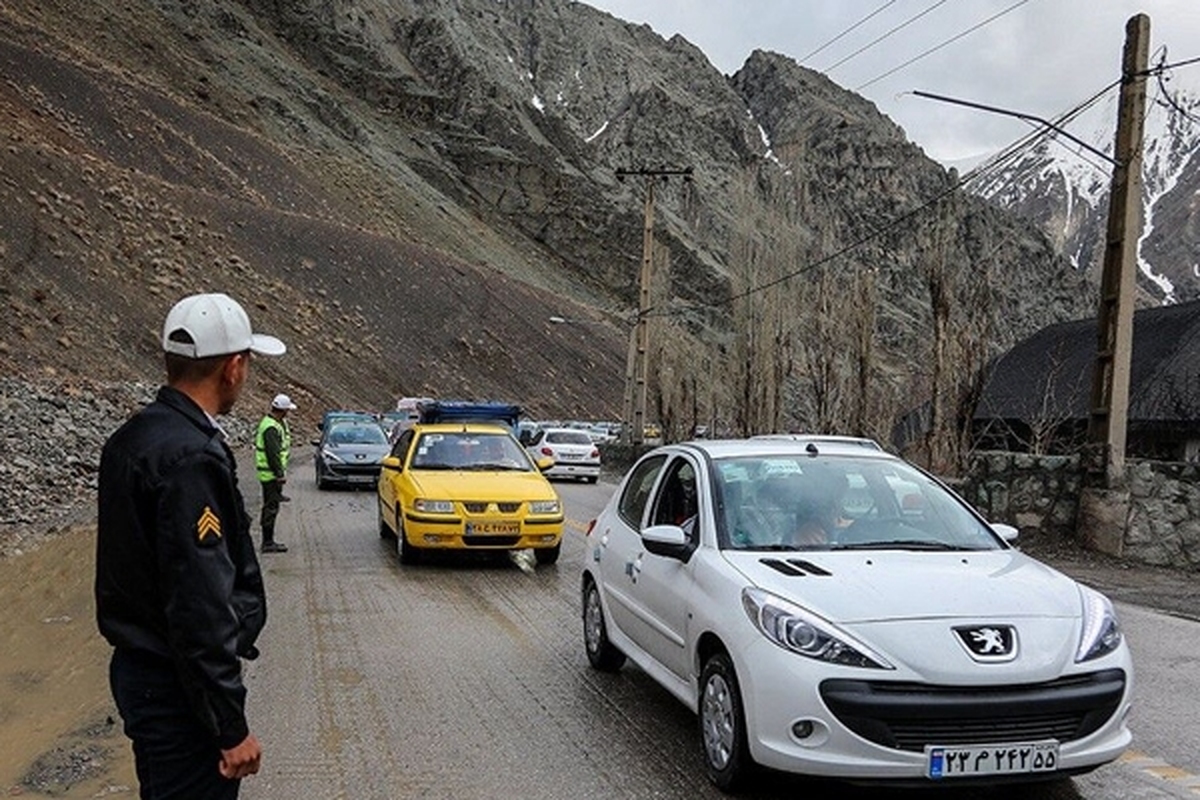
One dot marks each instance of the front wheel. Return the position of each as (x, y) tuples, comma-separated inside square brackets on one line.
[(547, 555), (384, 531), (723, 725), (408, 553), (600, 651)]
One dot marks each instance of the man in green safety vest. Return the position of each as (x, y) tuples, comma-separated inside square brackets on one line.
[(272, 444)]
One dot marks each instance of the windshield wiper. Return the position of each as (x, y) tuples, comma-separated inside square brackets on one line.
[(773, 548), (903, 544), (493, 468)]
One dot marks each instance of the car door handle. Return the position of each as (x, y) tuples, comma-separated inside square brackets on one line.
[(634, 568)]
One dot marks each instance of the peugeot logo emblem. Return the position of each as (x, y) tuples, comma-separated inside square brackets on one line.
[(988, 643)]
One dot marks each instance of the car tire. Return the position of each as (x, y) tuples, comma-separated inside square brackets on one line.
[(408, 553), (590, 479), (601, 653), (384, 531), (322, 484), (723, 725), (547, 555)]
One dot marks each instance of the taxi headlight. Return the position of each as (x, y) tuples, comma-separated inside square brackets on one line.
[(792, 628), (434, 506), (543, 507), (1101, 632)]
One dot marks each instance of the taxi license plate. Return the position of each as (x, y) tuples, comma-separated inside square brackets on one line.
[(476, 528), (991, 759)]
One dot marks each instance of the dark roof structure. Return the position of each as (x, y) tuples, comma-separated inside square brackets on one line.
[(1049, 375)]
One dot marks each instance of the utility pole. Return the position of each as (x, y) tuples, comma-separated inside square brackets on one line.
[(635, 376), (1110, 379)]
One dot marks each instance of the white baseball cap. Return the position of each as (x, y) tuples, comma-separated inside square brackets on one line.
[(214, 325), (283, 403)]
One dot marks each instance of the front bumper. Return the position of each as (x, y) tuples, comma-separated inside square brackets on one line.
[(874, 725), (451, 533)]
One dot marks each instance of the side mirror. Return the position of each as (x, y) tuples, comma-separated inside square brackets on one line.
[(544, 463), (316, 442), (668, 541), (393, 463), (1006, 532)]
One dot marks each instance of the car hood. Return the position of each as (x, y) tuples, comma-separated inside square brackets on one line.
[(451, 485), (878, 586), (351, 452)]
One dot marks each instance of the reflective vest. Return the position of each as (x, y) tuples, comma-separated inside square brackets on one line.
[(265, 473)]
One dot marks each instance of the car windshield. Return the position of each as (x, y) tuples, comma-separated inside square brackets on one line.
[(356, 433), (481, 452), (568, 437), (798, 502)]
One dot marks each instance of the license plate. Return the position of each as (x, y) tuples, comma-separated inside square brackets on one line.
[(571, 456), (991, 759), (493, 528)]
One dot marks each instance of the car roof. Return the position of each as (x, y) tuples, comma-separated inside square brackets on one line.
[(822, 438), (460, 427), (789, 444)]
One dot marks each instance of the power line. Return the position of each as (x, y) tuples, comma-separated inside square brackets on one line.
[(1170, 100), (896, 29), (849, 30), (1003, 158), (935, 48)]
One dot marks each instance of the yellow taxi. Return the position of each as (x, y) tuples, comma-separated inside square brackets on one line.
[(467, 486)]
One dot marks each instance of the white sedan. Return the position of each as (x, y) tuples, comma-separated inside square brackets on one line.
[(829, 609), (575, 454)]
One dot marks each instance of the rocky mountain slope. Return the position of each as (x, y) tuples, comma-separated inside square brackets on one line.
[(1064, 189), (408, 191)]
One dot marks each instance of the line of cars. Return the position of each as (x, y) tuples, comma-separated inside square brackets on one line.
[(823, 606), (452, 477)]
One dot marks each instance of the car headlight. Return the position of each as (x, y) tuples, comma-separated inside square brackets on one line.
[(329, 455), (434, 506), (1101, 631), (543, 507), (800, 631)]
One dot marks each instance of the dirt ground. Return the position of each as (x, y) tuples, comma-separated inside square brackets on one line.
[(59, 732)]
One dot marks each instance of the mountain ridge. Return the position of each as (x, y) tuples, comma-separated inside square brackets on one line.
[(411, 190)]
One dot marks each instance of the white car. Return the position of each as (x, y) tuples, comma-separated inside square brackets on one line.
[(575, 454), (828, 609)]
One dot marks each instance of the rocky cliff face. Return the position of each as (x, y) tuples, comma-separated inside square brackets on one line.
[(1064, 189), (410, 189)]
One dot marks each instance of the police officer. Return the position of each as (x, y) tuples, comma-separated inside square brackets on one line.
[(272, 447), (179, 593)]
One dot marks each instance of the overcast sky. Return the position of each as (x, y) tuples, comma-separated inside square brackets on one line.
[(1042, 57)]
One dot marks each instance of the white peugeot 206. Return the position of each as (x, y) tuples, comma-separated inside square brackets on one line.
[(829, 609)]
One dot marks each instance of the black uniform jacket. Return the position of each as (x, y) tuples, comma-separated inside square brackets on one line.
[(176, 573)]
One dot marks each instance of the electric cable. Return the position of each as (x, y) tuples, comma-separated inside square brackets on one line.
[(992, 165), (937, 47), (849, 30), (876, 41)]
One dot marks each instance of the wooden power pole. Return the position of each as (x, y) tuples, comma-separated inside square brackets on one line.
[(1110, 379), (635, 376)]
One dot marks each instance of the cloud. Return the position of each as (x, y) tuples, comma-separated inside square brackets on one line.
[(1041, 58)]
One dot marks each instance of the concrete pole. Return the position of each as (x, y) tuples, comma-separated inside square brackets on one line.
[(1110, 380), (638, 434)]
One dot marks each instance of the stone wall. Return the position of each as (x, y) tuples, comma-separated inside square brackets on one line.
[(1163, 526), (1040, 495)]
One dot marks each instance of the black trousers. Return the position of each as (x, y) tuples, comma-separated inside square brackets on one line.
[(175, 756), (272, 496)]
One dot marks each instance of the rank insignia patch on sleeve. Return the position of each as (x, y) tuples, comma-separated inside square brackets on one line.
[(208, 528)]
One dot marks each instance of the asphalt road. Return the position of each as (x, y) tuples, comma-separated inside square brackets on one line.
[(466, 678)]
